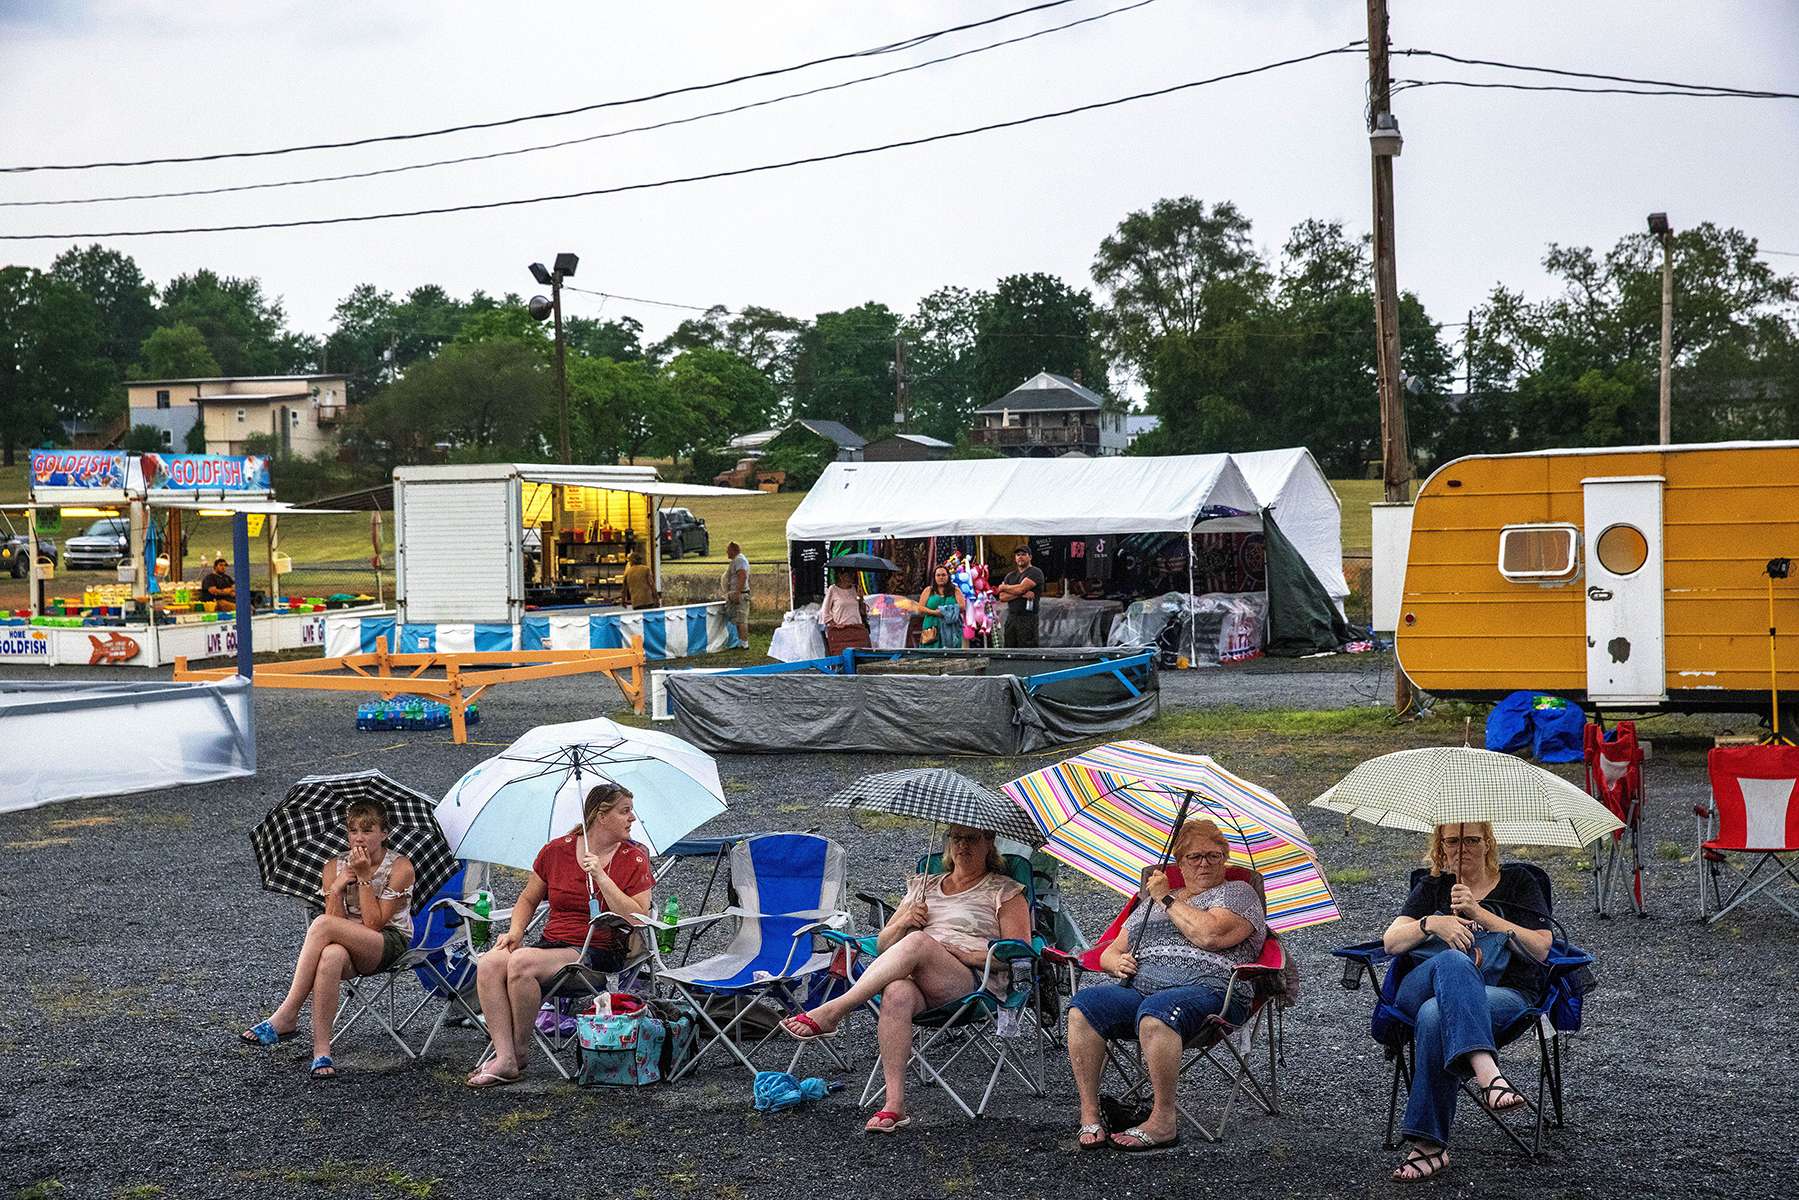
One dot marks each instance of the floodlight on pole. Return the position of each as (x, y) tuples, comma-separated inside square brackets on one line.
[(541, 274), (539, 308)]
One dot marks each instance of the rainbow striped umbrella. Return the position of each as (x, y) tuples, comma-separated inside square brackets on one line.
[(1108, 813)]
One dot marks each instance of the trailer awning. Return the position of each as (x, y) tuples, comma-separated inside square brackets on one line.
[(1021, 496), (639, 487), (267, 508)]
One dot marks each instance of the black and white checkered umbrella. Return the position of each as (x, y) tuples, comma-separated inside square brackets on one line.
[(936, 794), (297, 837), (1446, 785)]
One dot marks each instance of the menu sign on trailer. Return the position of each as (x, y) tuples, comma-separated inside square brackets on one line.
[(206, 473), (78, 469)]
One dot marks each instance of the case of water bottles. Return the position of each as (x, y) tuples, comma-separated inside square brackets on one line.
[(410, 713)]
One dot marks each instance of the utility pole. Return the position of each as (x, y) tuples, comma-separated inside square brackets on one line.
[(1384, 144), (902, 388), (1659, 226)]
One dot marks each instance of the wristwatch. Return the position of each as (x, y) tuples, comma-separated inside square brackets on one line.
[(1168, 902)]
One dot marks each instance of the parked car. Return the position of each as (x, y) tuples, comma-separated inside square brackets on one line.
[(106, 543), (683, 533), (13, 557)]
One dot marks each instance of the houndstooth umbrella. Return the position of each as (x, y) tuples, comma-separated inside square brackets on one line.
[(307, 828), (937, 794), (1445, 785)]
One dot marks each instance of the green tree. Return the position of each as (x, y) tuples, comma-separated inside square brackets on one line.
[(142, 439), (726, 394), (53, 365), (1177, 268), (477, 400), (126, 300), (619, 340), (245, 330), (622, 410), (1033, 323), (177, 352), (360, 344), (844, 368), (940, 361)]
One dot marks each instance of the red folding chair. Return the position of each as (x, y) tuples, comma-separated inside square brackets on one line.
[(1753, 813), (1615, 779), (1225, 1046)]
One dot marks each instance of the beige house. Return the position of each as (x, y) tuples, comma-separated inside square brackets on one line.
[(300, 414)]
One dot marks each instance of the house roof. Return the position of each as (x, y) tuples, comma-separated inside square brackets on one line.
[(923, 439), (1138, 424), (230, 379), (238, 397), (835, 431), (1044, 392)]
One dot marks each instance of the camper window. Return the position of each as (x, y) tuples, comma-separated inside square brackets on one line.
[(1535, 553), (1622, 549)]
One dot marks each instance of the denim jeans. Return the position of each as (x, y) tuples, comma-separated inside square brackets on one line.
[(1113, 1009), (1454, 1014)]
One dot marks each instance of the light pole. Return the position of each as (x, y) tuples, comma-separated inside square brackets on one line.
[(541, 308), (1659, 227)]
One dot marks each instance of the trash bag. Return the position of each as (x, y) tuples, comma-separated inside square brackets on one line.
[(1550, 728), (799, 638), (1218, 627)]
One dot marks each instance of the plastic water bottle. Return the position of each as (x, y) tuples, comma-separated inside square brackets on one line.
[(479, 928), (671, 913)]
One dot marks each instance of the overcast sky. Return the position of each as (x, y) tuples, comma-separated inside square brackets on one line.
[(1487, 179)]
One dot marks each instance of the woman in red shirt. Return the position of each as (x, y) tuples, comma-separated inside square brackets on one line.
[(597, 859)]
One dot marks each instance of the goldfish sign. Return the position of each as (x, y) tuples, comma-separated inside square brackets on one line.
[(24, 643), (206, 473), (114, 648), (78, 469)]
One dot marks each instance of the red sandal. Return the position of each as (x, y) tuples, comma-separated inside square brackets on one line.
[(887, 1121), (802, 1028)]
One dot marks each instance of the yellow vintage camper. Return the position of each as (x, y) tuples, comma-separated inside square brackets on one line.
[(1631, 578)]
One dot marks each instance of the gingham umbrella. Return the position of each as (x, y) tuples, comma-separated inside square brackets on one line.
[(505, 809), (1446, 785), (936, 794), (1109, 813), (307, 828)]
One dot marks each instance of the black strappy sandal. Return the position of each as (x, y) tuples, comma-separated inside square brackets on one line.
[(1498, 1090), (1424, 1164)]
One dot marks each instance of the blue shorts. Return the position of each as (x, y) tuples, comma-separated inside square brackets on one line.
[(1113, 1010)]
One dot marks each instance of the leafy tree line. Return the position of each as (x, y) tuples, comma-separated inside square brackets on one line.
[(1230, 347)]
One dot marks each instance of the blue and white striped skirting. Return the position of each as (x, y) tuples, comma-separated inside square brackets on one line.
[(683, 631)]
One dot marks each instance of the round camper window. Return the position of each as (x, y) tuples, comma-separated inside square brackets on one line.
[(1622, 549)]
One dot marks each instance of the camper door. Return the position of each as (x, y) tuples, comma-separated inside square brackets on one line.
[(1625, 623)]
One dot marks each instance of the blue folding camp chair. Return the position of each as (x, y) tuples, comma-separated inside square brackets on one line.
[(444, 970), (970, 1022), (1553, 1017), (785, 889)]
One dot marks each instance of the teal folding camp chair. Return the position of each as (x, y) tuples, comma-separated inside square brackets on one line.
[(971, 1023)]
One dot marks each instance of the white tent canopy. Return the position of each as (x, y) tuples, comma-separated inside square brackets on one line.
[(1032, 496), (1305, 507)]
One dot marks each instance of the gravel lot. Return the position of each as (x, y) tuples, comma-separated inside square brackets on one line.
[(140, 944)]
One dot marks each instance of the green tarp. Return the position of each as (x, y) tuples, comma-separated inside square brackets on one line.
[(1302, 619)]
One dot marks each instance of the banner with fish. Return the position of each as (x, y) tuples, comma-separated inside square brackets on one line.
[(78, 469), (206, 473)]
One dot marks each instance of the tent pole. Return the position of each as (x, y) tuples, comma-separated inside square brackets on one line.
[(1192, 616)]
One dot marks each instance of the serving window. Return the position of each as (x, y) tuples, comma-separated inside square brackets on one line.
[(1539, 553)]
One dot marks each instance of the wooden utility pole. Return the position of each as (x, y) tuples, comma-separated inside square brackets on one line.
[(1665, 424), (902, 388), (561, 375), (1396, 456)]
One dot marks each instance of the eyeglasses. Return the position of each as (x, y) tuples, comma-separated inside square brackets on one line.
[(1473, 841), (1209, 858), (966, 838)]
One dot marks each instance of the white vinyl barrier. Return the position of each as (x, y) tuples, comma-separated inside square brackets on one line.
[(76, 740)]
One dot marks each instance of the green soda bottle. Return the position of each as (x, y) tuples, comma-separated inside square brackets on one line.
[(671, 913), (479, 928)]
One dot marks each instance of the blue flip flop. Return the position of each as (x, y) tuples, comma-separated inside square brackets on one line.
[(323, 1067), (264, 1033)]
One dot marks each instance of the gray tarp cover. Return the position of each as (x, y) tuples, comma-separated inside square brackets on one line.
[(896, 714)]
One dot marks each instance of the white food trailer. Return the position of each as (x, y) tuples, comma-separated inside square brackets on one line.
[(504, 556)]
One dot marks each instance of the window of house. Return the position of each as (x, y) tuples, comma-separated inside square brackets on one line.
[(1538, 553), (240, 414), (168, 437), (293, 418), (162, 398)]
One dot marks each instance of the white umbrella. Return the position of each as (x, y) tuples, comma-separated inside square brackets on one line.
[(1447, 785), (505, 809)]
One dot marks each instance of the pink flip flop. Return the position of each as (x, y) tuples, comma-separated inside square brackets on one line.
[(886, 1121), (802, 1028)]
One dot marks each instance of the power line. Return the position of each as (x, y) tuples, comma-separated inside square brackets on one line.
[(1719, 89), (1408, 84), (928, 139), (888, 48), (594, 137)]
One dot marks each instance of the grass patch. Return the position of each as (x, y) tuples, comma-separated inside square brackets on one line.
[(882, 820), (43, 1189), (82, 999), (140, 1191), (515, 1120), (334, 1175), (40, 843), (1670, 851), (1290, 722), (92, 822), (792, 806), (1351, 875)]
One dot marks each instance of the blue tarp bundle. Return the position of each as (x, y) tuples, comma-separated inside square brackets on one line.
[(1548, 726)]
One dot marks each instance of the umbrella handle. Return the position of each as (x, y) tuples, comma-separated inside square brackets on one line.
[(1174, 832)]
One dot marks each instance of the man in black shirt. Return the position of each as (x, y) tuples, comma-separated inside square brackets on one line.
[(217, 585), (1021, 590)]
